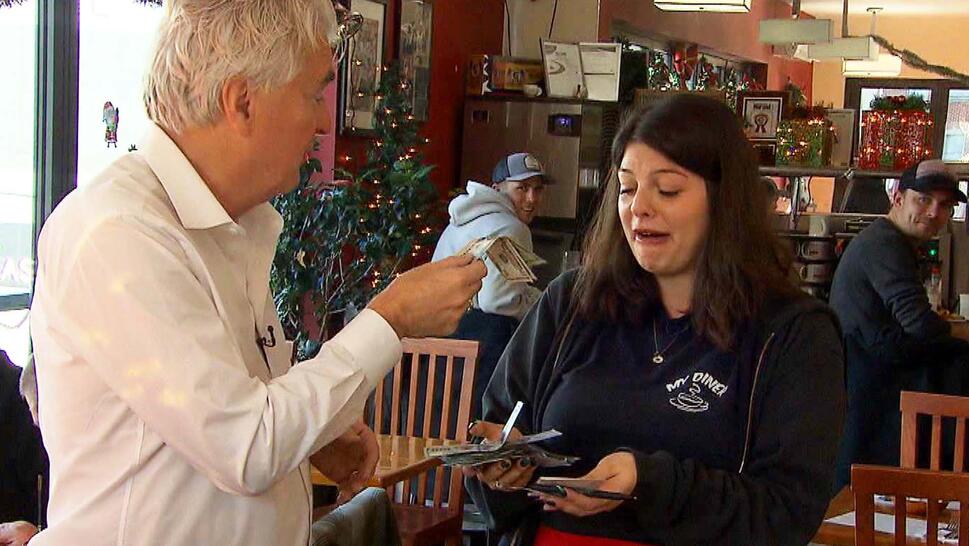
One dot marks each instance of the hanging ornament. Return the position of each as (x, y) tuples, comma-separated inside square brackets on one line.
[(110, 119)]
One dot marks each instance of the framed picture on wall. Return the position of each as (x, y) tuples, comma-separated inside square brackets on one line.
[(416, 23), (361, 69), (761, 112), (766, 152)]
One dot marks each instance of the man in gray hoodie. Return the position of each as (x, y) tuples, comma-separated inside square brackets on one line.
[(504, 208)]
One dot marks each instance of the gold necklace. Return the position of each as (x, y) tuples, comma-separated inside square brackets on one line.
[(658, 357)]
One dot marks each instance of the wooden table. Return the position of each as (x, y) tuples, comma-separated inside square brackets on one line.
[(844, 535), (401, 458)]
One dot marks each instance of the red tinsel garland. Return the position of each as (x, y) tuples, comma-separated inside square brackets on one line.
[(894, 139)]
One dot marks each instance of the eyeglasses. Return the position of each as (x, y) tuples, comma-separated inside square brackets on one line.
[(348, 24)]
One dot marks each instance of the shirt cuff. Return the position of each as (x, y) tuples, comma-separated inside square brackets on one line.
[(373, 343)]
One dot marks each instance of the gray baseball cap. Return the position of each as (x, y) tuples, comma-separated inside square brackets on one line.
[(517, 167)]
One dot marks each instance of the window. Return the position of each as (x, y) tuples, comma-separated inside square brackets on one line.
[(955, 144), (18, 38), (116, 40), (948, 102)]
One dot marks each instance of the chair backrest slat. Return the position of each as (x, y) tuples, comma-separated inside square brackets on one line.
[(427, 405), (412, 397), (959, 458), (904, 483), (395, 397), (901, 513), (939, 407)]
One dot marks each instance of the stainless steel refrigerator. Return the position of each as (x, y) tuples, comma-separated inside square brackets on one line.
[(572, 140)]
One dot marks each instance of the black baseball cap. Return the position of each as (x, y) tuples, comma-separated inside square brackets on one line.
[(931, 175)]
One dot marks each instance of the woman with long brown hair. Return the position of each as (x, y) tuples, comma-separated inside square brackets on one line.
[(679, 362)]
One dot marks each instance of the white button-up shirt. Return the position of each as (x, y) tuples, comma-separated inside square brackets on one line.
[(164, 422)]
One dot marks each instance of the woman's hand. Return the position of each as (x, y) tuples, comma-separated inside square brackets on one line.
[(501, 475), (619, 475)]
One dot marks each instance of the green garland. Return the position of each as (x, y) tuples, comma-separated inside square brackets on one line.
[(912, 59), (899, 102)]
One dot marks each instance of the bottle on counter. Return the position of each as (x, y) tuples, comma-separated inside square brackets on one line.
[(933, 288)]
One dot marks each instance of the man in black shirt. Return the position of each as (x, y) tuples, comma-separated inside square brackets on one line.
[(894, 340), (22, 460)]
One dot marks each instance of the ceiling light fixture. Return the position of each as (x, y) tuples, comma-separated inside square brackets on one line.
[(720, 6)]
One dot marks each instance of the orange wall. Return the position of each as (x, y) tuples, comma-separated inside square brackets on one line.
[(939, 39)]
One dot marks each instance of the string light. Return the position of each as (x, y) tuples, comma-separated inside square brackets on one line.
[(895, 138)]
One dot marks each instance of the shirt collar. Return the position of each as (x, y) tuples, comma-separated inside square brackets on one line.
[(196, 206)]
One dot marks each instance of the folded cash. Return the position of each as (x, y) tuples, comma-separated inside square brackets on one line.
[(536, 456), (512, 260)]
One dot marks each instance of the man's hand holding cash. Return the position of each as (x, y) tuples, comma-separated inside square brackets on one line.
[(513, 261)]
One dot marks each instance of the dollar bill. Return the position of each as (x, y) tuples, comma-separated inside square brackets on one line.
[(514, 262)]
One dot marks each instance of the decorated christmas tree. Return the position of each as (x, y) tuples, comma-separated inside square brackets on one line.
[(396, 185), (344, 242)]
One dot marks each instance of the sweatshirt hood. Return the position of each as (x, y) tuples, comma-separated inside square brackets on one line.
[(481, 200)]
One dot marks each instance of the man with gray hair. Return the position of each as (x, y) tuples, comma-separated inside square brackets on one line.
[(167, 397)]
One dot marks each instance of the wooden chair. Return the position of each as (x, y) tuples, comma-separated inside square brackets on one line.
[(869, 480), (938, 406), (424, 514)]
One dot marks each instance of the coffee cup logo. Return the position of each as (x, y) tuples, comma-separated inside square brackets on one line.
[(690, 401)]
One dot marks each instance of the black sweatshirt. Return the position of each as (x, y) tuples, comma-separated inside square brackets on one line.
[(892, 337), (705, 476), (880, 299)]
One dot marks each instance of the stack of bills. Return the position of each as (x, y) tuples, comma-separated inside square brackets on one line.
[(483, 453), (502, 449), (512, 260)]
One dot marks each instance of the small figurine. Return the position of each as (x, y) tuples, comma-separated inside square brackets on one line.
[(110, 118)]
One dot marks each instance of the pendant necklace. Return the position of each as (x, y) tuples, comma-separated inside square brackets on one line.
[(658, 357)]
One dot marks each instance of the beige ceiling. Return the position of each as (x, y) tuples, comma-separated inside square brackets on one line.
[(820, 8)]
